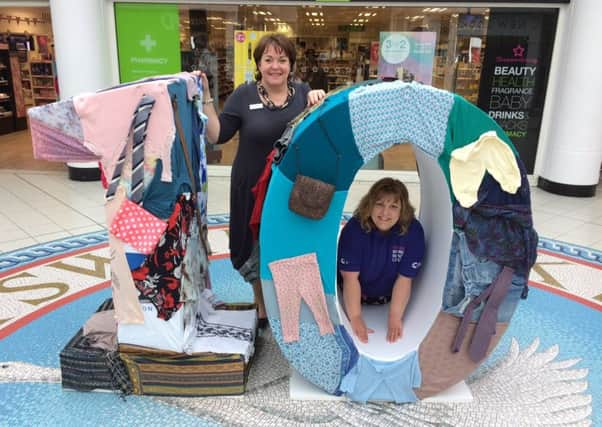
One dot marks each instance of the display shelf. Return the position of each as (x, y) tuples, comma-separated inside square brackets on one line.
[(225, 71), (7, 104), (467, 81), (42, 79)]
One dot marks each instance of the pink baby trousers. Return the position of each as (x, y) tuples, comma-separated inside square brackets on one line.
[(296, 278)]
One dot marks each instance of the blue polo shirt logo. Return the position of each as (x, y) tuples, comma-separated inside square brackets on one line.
[(397, 253)]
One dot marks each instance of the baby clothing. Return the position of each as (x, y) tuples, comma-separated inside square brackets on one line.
[(296, 278)]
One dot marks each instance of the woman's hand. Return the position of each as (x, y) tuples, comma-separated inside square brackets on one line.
[(315, 96), (394, 329), (213, 125), (199, 74), (360, 329)]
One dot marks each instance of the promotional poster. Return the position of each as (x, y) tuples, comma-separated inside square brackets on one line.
[(244, 64), (407, 56)]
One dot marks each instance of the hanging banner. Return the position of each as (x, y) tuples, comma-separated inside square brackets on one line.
[(514, 76), (407, 55), (148, 40), (244, 64)]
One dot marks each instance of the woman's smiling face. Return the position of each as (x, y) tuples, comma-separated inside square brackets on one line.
[(386, 212), (274, 66)]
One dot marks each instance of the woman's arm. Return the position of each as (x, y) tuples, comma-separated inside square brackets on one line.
[(352, 296), (402, 289), (213, 127)]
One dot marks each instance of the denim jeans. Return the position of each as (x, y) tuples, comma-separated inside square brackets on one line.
[(469, 275)]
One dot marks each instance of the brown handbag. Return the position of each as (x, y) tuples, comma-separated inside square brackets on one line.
[(311, 197)]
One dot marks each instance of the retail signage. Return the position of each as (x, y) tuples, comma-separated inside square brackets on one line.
[(148, 40), (514, 76), (407, 55), (244, 64)]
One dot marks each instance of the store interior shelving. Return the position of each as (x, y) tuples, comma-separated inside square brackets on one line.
[(42, 82), (7, 103)]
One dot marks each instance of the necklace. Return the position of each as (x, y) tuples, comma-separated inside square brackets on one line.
[(263, 93)]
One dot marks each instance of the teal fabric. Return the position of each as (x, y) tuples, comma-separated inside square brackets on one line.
[(394, 381), (317, 158), (285, 234)]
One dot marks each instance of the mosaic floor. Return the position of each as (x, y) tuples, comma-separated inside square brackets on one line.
[(545, 371)]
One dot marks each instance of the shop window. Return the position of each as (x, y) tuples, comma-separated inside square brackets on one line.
[(343, 45)]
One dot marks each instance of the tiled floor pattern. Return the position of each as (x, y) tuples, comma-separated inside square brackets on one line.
[(53, 287), (53, 215)]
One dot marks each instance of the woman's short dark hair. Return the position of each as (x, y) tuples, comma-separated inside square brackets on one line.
[(281, 43)]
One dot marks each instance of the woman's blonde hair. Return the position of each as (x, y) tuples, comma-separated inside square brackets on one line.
[(382, 187)]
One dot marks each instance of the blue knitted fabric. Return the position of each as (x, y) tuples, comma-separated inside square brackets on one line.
[(396, 112)]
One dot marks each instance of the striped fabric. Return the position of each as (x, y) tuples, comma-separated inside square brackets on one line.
[(203, 374), (138, 132), (86, 368), (167, 373)]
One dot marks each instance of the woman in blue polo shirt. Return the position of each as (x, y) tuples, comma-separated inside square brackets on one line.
[(380, 252)]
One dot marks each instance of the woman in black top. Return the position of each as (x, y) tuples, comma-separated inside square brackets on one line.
[(260, 111)]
